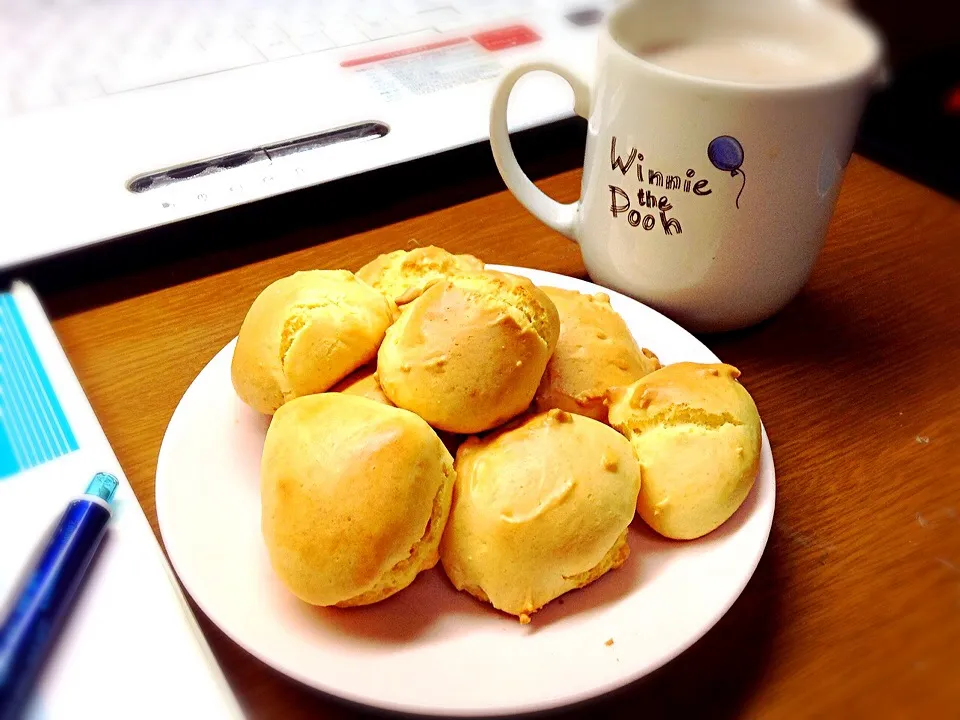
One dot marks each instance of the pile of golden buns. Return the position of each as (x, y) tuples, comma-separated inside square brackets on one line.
[(373, 379)]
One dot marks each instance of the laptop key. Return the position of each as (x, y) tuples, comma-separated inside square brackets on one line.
[(343, 33), (376, 29), (175, 66), (443, 19), (80, 89), (277, 49), (314, 42)]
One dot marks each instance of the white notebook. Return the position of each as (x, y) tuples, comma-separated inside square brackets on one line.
[(131, 648)]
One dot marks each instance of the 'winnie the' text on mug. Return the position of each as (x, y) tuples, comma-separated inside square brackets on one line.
[(620, 203)]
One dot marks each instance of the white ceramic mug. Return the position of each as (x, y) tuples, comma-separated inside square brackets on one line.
[(706, 198)]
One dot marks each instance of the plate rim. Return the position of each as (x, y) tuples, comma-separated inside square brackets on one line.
[(596, 691)]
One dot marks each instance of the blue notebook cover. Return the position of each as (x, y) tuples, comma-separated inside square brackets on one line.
[(33, 427)]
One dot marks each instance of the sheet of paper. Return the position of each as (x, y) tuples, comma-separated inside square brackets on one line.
[(130, 648)]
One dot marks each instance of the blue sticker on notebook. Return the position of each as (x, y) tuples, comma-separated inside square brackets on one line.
[(33, 427)]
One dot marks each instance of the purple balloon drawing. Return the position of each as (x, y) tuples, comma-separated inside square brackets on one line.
[(726, 153)]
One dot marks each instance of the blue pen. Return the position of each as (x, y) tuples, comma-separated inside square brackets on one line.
[(46, 596)]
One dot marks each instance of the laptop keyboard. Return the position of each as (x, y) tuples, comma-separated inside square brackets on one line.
[(55, 52)]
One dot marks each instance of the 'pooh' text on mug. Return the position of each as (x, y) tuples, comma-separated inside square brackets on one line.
[(647, 199)]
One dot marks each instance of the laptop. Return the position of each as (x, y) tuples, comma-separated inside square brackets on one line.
[(119, 115)]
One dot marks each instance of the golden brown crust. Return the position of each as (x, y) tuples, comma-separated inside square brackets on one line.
[(541, 507), (424, 554), (305, 332), (403, 274), (595, 354), (468, 354), (613, 560), (697, 435), (355, 496)]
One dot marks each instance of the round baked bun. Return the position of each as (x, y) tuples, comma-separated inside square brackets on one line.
[(403, 274), (696, 432), (595, 353), (363, 382), (305, 332), (468, 354), (540, 508), (354, 498)]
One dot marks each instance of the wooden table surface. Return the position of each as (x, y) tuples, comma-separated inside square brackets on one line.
[(854, 610)]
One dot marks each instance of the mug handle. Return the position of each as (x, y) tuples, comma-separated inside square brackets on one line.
[(564, 218)]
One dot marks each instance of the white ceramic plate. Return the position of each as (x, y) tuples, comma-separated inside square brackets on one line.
[(430, 649)]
